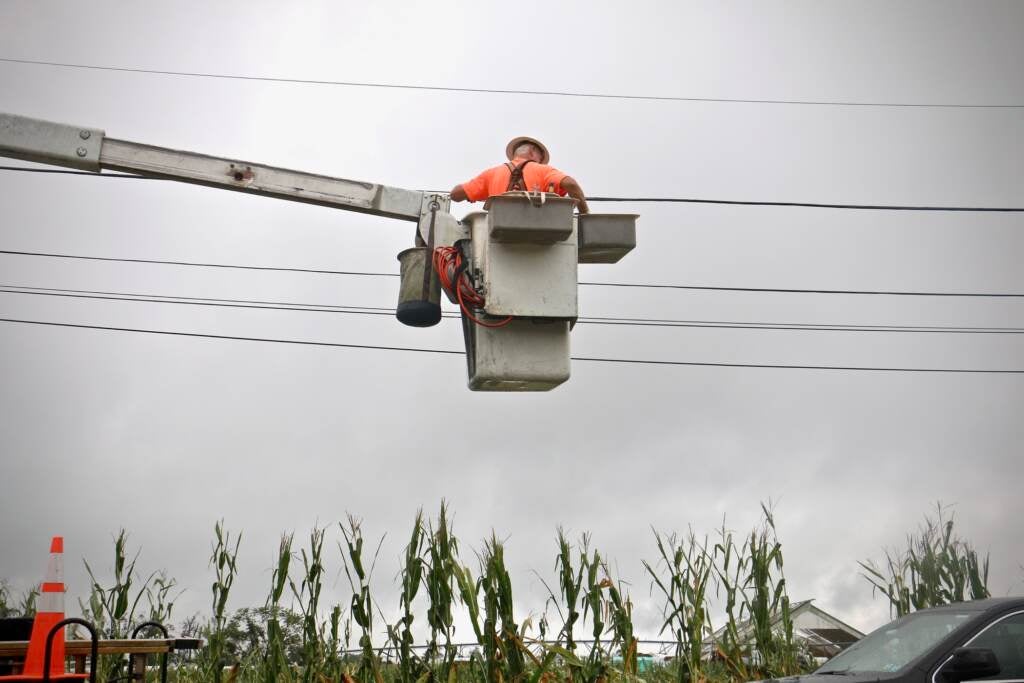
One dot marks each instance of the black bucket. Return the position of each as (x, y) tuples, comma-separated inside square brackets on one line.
[(419, 294)]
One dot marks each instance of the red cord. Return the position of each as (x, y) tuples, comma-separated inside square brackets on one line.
[(447, 262)]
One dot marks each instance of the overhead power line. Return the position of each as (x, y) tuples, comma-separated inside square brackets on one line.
[(60, 171), (711, 288), (194, 264), (634, 361), (797, 327), (63, 171), (498, 91), (659, 200), (810, 205), (781, 290), (583, 320)]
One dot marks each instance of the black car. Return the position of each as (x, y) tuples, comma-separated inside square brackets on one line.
[(967, 641)]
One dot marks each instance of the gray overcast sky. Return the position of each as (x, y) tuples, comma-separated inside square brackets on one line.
[(164, 435)]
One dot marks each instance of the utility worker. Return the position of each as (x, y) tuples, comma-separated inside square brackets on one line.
[(527, 169)]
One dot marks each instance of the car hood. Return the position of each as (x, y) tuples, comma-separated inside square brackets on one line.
[(866, 677)]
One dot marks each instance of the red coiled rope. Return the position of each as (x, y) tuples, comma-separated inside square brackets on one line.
[(451, 270)]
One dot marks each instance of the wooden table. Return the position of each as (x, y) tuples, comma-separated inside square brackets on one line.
[(79, 649)]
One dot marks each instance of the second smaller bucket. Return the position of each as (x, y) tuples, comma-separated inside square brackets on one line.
[(419, 293)]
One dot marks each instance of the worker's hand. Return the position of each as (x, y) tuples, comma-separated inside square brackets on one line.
[(458, 194), (573, 189)]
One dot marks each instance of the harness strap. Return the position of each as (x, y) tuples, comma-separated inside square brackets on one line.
[(515, 179)]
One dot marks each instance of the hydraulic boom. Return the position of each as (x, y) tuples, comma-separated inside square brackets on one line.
[(519, 263)]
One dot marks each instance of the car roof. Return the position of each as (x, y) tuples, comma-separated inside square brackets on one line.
[(986, 605)]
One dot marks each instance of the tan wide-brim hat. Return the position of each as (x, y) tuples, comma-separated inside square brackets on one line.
[(510, 148)]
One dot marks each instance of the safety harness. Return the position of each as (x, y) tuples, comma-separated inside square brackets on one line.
[(516, 182)]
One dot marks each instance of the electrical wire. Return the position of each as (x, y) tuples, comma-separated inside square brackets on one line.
[(812, 205), (800, 327), (194, 301), (711, 288), (781, 290), (195, 264), (223, 336), (546, 93), (61, 171), (660, 200), (634, 361), (583, 320)]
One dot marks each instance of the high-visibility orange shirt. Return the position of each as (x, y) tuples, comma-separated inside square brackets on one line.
[(494, 181)]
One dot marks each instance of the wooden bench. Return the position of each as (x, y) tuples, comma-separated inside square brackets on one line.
[(79, 650)]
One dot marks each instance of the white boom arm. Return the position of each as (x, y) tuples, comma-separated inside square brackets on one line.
[(90, 149)]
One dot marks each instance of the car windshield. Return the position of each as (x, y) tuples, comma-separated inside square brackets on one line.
[(895, 645)]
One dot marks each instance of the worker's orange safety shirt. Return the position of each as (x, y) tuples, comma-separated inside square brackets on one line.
[(494, 181)]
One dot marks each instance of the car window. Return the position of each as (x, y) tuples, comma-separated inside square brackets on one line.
[(1006, 639), (894, 646)]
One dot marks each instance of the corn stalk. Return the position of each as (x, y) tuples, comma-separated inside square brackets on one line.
[(688, 567), (770, 608), (620, 613), (275, 661), (730, 565), (757, 640), (440, 581), (499, 624), (307, 596), (570, 582), (412, 575), (937, 568), (113, 609), (481, 665), (597, 664), (224, 562), (362, 603)]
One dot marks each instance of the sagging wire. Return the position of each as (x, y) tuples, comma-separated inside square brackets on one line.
[(452, 270)]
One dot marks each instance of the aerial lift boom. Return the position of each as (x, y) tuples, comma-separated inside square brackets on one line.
[(526, 260)]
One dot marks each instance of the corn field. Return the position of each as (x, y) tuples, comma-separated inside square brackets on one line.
[(585, 634)]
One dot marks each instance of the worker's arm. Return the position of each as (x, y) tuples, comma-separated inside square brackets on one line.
[(573, 189), (458, 194)]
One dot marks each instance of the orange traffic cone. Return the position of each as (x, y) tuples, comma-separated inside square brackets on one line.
[(49, 611)]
